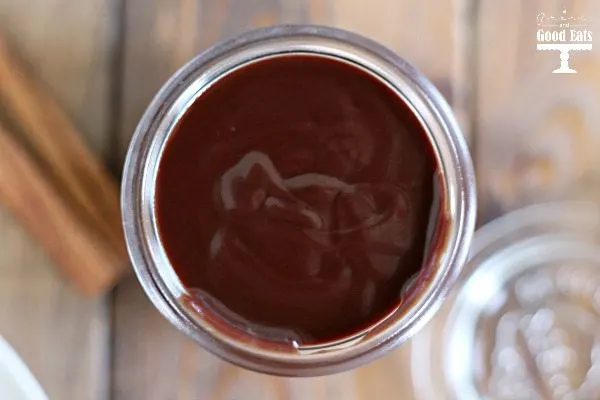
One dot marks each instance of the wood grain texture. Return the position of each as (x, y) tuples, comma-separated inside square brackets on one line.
[(62, 336), (538, 133), (152, 360)]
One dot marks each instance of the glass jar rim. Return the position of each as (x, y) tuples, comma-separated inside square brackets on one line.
[(149, 260)]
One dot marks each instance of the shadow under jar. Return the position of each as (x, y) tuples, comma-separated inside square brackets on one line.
[(299, 200)]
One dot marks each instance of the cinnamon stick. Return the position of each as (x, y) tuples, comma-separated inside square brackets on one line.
[(80, 175), (79, 251)]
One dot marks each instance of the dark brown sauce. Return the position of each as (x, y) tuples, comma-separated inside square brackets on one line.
[(296, 193)]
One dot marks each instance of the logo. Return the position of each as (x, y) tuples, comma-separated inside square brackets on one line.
[(564, 33)]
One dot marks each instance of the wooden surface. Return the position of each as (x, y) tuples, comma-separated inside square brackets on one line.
[(534, 135), (538, 133), (63, 337)]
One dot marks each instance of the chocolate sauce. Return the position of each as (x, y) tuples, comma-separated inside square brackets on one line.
[(296, 193)]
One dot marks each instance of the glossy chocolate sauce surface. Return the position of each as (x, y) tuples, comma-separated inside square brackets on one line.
[(296, 193)]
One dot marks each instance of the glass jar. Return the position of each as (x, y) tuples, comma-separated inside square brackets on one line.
[(152, 266), (524, 319)]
